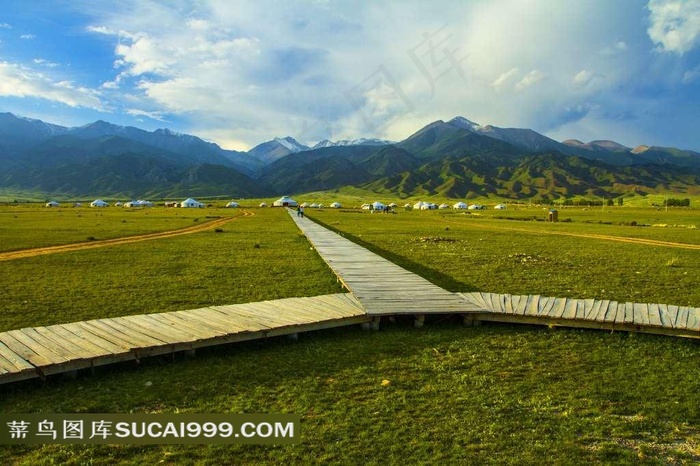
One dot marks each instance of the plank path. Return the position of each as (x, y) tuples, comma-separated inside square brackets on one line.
[(376, 286)]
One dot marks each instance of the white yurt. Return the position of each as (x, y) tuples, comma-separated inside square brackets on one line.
[(118, 204), (336, 205), (77, 204), (475, 207), (366, 206), (52, 204), (314, 206), (393, 205), (419, 205), (500, 206), (233, 204), (376, 205), (285, 201), (407, 205), (263, 204), (189, 202), (304, 205), (444, 206), (428, 206), (98, 203), (460, 205)]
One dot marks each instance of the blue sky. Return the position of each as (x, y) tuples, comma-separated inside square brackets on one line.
[(238, 73)]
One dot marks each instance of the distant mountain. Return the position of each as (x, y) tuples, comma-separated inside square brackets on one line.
[(131, 175), (271, 151), (455, 158), (20, 134), (353, 142)]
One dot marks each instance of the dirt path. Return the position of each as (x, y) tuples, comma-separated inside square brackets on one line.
[(620, 239), (5, 256)]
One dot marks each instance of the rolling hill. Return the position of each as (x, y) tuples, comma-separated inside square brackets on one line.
[(457, 158)]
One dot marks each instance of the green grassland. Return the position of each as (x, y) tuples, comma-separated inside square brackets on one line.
[(475, 251), (495, 394), (252, 259), (24, 226)]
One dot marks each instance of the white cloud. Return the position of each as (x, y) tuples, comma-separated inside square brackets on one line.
[(530, 79), (27, 36), (5, 26), (46, 63), (152, 115), (691, 76), (675, 24), (20, 81), (246, 72), (506, 79), (617, 48), (583, 77)]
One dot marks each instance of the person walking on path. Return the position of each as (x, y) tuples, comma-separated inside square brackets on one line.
[(298, 211)]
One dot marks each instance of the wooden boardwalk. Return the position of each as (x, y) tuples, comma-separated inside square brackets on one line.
[(382, 287), (377, 288), (42, 351), (588, 313)]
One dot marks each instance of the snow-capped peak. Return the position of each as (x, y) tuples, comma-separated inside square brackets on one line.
[(291, 144), (463, 123), (353, 142)]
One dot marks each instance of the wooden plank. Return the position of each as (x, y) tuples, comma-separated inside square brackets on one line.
[(19, 362), (620, 314), (135, 331), (641, 314), (682, 321), (654, 315), (110, 334), (547, 307), (87, 340), (665, 317), (199, 330), (593, 310), (570, 309), (629, 313), (558, 309), (160, 329), (693, 319), (217, 318), (533, 305), (25, 351), (66, 346), (674, 311), (611, 314), (581, 308)]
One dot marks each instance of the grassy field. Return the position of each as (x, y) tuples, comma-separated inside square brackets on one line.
[(477, 251), (238, 264), (493, 394)]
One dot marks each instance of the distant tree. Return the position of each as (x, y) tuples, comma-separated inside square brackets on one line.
[(619, 201)]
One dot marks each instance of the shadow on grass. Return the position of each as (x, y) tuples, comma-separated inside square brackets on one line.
[(434, 276)]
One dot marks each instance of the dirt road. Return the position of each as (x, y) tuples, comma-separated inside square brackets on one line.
[(5, 256), (620, 239)]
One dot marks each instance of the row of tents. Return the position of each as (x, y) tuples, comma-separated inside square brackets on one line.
[(286, 201)]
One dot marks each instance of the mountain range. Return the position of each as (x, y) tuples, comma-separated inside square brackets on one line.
[(456, 158)]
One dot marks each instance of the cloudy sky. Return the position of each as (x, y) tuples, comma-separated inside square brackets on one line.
[(238, 72)]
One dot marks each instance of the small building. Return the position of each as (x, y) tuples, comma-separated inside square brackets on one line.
[(233, 204), (428, 206), (118, 204), (376, 205), (52, 204), (336, 205), (500, 207), (444, 206), (191, 203), (304, 205), (98, 203), (460, 205), (476, 207), (285, 201), (263, 204)]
